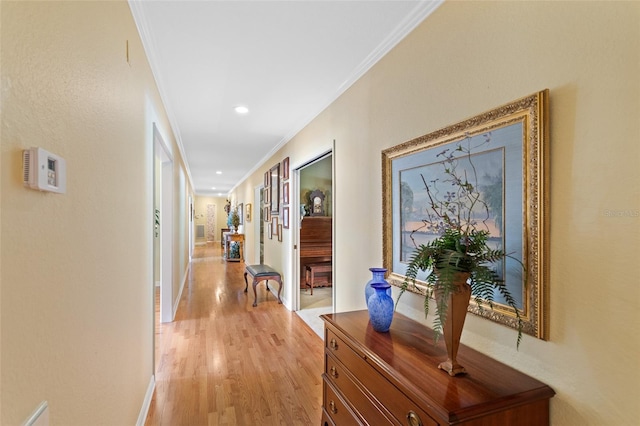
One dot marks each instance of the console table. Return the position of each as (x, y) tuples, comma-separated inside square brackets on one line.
[(233, 238), (393, 378)]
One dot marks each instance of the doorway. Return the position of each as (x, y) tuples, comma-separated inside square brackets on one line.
[(162, 233), (315, 264), (166, 226)]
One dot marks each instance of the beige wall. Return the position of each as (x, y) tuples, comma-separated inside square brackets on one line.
[(200, 206), (467, 58), (77, 276)]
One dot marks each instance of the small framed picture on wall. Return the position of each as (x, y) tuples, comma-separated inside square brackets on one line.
[(285, 193), (285, 217), (285, 169)]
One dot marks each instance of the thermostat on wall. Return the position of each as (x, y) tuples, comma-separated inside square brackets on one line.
[(44, 171)]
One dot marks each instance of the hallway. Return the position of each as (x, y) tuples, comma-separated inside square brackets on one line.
[(223, 362)]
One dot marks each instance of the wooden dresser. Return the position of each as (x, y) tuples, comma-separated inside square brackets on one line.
[(393, 378)]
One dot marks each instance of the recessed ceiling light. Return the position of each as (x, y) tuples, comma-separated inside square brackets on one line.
[(218, 172), (241, 109), (213, 187)]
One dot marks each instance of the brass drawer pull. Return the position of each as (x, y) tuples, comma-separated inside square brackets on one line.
[(413, 419), (333, 372), (333, 344), (332, 407)]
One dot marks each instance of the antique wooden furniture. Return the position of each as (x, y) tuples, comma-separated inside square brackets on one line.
[(233, 238), (316, 270), (315, 243), (393, 378), (262, 273)]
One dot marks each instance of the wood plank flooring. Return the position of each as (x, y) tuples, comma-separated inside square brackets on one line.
[(224, 362)]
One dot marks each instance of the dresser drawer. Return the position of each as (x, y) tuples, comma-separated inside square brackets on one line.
[(335, 407), (392, 399), (398, 373), (358, 398), (342, 352), (383, 392), (326, 419)]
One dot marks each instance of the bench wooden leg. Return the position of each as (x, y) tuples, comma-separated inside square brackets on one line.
[(309, 279), (279, 281), (255, 294), (256, 281)]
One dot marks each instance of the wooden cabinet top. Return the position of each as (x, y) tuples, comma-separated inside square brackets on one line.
[(407, 357)]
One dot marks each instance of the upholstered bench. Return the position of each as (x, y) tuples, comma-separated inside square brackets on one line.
[(313, 270), (261, 273)]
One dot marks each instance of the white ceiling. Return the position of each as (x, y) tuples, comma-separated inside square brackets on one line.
[(285, 60)]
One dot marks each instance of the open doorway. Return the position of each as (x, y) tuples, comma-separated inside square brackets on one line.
[(162, 234), (315, 237)]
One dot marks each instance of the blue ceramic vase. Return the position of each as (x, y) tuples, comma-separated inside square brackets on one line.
[(378, 277), (380, 306)]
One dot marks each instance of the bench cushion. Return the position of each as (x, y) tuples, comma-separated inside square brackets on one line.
[(261, 270)]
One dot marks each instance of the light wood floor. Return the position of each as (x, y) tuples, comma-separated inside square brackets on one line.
[(224, 362)]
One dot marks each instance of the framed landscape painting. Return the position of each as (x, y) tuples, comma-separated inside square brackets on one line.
[(503, 153)]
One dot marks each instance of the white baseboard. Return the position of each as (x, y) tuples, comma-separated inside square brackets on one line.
[(144, 410), (40, 417)]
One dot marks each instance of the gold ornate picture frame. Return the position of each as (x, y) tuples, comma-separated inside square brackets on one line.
[(516, 163)]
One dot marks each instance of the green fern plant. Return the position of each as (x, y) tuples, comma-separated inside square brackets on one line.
[(460, 247)]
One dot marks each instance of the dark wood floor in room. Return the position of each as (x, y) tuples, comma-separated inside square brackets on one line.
[(223, 362)]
